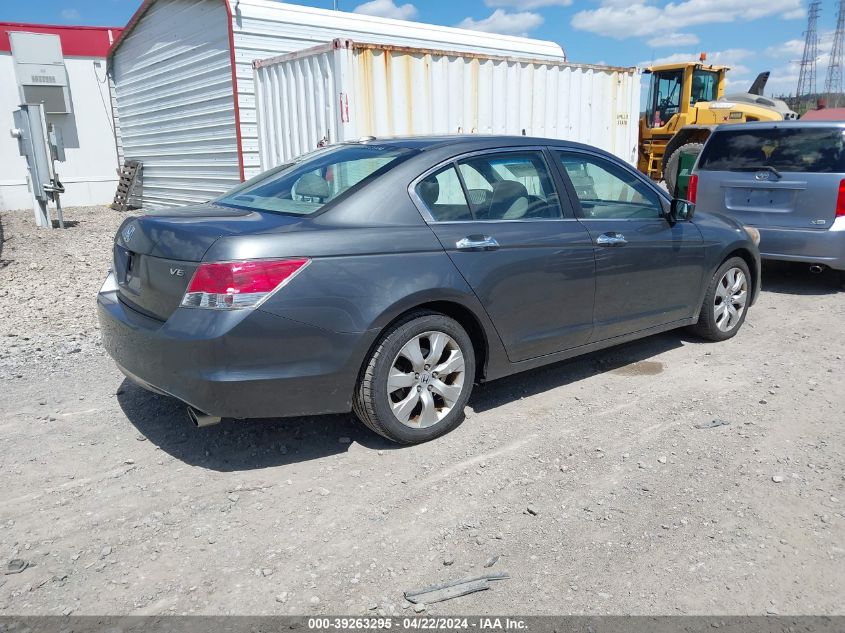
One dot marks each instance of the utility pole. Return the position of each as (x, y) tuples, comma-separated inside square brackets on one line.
[(833, 82), (807, 73)]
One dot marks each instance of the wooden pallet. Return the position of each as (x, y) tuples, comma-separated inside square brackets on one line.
[(130, 175)]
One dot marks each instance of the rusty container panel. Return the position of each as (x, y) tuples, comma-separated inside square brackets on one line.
[(346, 90)]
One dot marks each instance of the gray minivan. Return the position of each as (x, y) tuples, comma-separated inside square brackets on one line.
[(786, 179)]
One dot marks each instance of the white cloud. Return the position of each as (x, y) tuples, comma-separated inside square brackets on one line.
[(728, 57), (387, 9), (794, 48), (70, 14), (527, 5), (784, 80), (673, 39), (620, 21), (785, 64), (782, 59), (732, 57), (782, 63), (500, 21)]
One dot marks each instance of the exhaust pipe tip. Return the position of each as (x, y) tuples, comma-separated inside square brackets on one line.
[(198, 418), (816, 269)]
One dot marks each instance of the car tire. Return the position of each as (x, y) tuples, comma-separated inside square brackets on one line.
[(726, 288), (670, 169), (424, 405)]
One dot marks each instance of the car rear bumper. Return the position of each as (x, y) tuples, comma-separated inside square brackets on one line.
[(240, 364), (813, 246)]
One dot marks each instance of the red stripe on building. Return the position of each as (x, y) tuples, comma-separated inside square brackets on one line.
[(77, 41)]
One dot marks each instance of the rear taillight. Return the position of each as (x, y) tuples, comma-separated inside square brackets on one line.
[(840, 200), (692, 188), (241, 284)]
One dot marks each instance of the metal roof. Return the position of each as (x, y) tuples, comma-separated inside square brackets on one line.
[(825, 114), (313, 14), (77, 41)]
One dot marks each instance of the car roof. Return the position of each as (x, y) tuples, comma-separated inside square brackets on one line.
[(463, 141)]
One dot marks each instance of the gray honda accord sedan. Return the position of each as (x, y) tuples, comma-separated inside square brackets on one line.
[(388, 276)]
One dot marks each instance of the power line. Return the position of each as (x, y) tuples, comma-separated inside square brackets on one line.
[(833, 82), (807, 73)]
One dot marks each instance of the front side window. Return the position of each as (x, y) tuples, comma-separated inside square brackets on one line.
[(608, 191), (664, 98), (310, 182)]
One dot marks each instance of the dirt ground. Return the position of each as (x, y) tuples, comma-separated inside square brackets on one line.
[(119, 506)]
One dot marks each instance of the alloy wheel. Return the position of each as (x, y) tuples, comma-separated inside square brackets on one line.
[(426, 379), (731, 297)]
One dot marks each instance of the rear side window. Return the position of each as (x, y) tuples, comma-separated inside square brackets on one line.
[(810, 149), (490, 187), (510, 186), (443, 196)]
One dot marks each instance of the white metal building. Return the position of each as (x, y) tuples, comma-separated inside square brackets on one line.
[(89, 173), (183, 78), (345, 90)]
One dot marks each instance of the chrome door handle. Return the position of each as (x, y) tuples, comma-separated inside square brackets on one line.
[(611, 239), (477, 243)]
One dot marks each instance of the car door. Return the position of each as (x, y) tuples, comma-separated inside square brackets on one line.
[(499, 217), (648, 271)]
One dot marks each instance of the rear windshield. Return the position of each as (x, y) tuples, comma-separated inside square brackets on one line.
[(310, 182), (811, 149)]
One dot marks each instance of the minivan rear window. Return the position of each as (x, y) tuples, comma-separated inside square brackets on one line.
[(805, 149), (310, 182)]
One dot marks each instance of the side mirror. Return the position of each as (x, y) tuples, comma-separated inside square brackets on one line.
[(681, 211)]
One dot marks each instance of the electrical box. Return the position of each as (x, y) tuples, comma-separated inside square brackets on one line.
[(41, 144), (40, 70), (33, 143)]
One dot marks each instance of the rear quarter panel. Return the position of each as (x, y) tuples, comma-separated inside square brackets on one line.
[(722, 236)]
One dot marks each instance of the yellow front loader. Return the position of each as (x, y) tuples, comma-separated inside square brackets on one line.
[(685, 102)]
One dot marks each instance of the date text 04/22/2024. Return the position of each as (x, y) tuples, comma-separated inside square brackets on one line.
[(418, 624)]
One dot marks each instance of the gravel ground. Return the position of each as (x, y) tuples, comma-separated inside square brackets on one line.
[(47, 280), (591, 480)]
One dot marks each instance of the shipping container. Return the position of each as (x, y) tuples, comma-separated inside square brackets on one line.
[(183, 80), (345, 90)]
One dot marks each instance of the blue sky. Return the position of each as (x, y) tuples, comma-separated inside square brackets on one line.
[(748, 35)]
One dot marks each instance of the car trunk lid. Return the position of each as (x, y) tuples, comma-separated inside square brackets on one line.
[(156, 255)]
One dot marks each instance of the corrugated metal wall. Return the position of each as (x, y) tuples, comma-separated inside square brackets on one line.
[(264, 28), (353, 90), (173, 85)]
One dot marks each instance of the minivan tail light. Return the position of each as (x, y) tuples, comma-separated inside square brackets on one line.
[(239, 284), (692, 188), (840, 200)]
